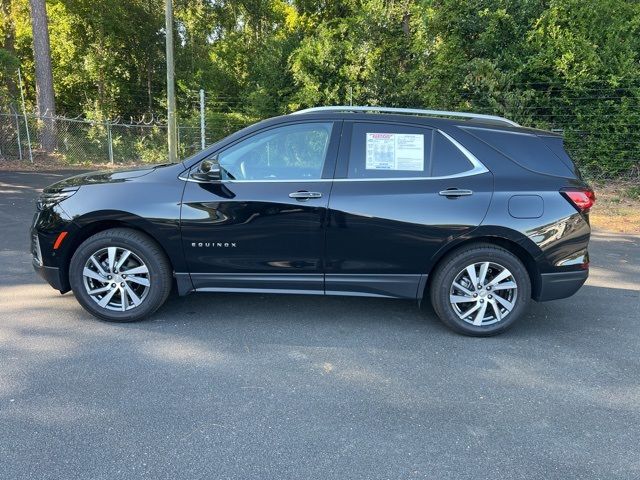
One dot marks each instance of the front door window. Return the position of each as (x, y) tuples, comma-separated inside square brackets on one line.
[(291, 152)]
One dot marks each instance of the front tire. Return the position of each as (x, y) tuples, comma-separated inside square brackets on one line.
[(120, 275), (480, 290)]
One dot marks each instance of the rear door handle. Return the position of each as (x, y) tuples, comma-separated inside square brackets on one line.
[(304, 195), (456, 192)]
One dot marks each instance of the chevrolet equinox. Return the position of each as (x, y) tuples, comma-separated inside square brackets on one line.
[(473, 211)]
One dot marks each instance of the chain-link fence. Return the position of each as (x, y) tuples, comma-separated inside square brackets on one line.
[(603, 143), (77, 141), (11, 131), (82, 141)]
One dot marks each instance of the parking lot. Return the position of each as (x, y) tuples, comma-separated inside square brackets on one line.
[(291, 387)]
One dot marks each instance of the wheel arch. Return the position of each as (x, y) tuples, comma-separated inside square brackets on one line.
[(526, 255), (89, 225)]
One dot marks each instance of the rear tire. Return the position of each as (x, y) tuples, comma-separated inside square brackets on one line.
[(480, 290), (120, 275)]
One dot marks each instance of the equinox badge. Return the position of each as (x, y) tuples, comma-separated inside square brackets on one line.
[(213, 244)]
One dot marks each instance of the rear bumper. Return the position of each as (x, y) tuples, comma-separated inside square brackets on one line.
[(52, 276), (560, 285)]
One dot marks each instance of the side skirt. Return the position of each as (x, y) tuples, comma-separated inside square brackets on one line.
[(361, 285)]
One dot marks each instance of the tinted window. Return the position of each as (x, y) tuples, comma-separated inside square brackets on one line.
[(525, 149), (291, 152), (381, 150), (556, 145), (447, 158)]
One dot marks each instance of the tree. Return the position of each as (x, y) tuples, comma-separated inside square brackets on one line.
[(44, 75), (8, 59), (572, 65)]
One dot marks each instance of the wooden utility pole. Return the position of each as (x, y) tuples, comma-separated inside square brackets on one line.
[(44, 77), (172, 137)]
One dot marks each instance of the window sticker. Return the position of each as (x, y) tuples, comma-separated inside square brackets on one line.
[(395, 151)]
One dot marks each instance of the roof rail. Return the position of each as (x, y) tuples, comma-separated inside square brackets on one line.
[(415, 111)]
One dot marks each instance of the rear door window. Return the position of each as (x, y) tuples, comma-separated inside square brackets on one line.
[(383, 150)]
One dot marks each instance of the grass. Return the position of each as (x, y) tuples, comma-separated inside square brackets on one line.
[(43, 162), (617, 207)]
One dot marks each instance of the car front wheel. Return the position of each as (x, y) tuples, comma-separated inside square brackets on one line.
[(480, 290), (120, 275)]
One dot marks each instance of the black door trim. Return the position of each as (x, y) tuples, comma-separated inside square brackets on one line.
[(373, 285), (259, 282)]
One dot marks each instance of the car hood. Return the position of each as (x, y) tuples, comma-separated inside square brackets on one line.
[(105, 176)]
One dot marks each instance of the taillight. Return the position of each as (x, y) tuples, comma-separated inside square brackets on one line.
[(582, 199)]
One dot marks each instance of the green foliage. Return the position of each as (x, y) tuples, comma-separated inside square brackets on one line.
[(8, 62), (8, 66), (633, 192), (569, 65)]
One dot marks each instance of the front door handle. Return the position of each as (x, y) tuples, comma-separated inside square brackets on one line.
[(456, 192), (304, 195)]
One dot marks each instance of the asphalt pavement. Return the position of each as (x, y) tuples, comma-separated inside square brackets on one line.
[(243, 386)]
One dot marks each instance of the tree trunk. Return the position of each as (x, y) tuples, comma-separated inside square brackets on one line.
[(406, 20), (44, 76)]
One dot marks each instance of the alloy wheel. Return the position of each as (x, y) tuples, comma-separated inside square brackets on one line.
[(483, 293), (116, 278)]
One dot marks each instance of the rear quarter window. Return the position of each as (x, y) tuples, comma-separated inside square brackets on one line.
[(447, 158), (556, 145), (527, 150)]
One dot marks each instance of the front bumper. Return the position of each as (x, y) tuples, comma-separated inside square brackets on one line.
[(560, 285), (52, 276)]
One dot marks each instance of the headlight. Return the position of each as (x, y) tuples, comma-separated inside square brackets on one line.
[(48, 200)]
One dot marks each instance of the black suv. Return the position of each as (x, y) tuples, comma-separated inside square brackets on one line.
[(474, 211)]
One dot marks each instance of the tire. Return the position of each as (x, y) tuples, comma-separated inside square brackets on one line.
[(140, 286), (454, 303)]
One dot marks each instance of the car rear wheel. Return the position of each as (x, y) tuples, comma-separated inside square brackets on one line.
[(480, 290), (120, 275)]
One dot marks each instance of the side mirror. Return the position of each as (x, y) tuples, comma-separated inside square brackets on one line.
[(210, 169)]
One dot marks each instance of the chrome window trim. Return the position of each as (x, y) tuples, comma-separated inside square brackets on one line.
[(478, 168)]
